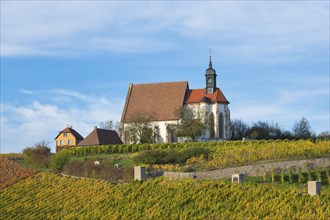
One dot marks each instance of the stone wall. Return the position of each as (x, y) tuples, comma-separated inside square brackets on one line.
[(252, 170)]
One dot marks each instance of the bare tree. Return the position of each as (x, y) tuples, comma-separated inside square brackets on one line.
[(141, 129), (38, 155), (324, 135), (109, 124)]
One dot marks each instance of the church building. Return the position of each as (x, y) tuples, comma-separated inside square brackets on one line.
[(159, 102)]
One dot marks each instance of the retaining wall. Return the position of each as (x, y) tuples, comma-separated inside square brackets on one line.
[(252, 170)]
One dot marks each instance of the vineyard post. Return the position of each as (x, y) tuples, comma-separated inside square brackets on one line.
[(237, 178), (314, 188), (140, 173)]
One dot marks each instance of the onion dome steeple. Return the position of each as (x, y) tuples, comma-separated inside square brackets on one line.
[(211, 76)]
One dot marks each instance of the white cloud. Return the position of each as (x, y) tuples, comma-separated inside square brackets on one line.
[(22, 126), (261, 28)]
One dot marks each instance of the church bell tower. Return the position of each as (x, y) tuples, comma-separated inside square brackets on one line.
[(211, 76)]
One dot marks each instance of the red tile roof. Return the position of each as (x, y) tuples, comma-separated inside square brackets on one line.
[(101, 137), (156, 101), (196, 95), (72, 131)]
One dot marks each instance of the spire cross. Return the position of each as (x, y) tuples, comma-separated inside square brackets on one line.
[(210, 63)]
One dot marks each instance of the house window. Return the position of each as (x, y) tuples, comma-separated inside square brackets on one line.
[(69, 142), (65, 134), (61, 142)]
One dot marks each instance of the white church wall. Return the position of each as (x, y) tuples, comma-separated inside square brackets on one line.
[(163, 134), (161, 130), (215, 108)]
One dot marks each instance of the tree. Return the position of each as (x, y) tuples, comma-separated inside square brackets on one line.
[(265, 130), (191, 124), (59, 160), (324, 135), (141, 129), (110, 125), (238, 129), (302, 129), (287, 135), (38, 155), (107, 124)]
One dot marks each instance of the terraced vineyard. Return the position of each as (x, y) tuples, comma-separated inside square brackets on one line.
[(222, 154), (251, 152), (50, 196)]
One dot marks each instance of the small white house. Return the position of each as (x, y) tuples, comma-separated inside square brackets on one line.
[(161, 100)]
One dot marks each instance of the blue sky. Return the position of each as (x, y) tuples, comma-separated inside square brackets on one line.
[(71, 62)]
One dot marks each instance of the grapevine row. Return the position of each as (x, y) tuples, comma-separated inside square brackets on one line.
[(50, 196)]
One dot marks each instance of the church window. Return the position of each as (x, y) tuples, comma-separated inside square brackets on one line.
[(212, 132), (221, 125), (127, 138), (156, 134), (170, 135)]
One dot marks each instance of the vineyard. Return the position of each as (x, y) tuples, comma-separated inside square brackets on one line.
[(271, 150), (12, 172), (274, 195), (222, 154), (50, 196)]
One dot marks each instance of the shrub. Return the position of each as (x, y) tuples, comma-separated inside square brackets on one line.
[(150, 157), (38, 155), (128, 174), (59, 160), (171, 156), (105, 171), (194, 152)]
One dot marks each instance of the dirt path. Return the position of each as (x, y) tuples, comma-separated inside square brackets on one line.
[(252, 170)]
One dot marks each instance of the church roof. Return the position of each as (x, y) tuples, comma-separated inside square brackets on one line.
[(101, 137), (156, 101), (72, 131), (196, 95)]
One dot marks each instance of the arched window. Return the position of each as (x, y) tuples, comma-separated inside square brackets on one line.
[(170, 135), (155, 134), (127, 137), (221, 125), (212, 131)]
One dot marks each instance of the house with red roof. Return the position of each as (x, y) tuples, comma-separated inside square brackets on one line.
[(160, 101)]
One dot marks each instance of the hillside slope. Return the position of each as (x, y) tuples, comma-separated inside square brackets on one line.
[(50, 196)]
